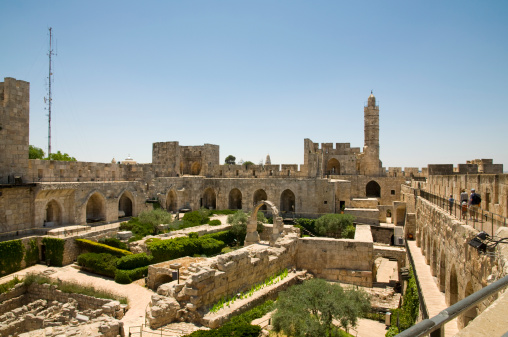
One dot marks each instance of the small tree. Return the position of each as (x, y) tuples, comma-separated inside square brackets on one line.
[(60, 156), (35, 152), (334, 224), (248, 163), (230, 160), (310, 308), (238, 222)]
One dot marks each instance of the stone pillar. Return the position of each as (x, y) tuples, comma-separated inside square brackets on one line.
[(278, 228), (252, 233)]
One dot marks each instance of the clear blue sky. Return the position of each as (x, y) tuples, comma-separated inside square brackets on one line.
[(257, 77)]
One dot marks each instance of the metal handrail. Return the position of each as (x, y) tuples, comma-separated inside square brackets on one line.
[(428, 326)]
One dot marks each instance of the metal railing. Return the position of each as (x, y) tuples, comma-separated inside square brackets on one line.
[(144, 330), (435, 325), (475, 217)]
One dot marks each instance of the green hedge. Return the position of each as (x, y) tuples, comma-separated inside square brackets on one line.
[(225, 236), (32, 253), (95, 247), (54, 250), (11, 256), (408, 312), (114, 242), (99, 263), (127, 276), (165, 250), (134, 261)]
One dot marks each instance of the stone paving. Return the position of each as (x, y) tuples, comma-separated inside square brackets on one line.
[(434, 299)]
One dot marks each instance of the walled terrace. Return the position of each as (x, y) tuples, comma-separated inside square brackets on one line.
[(458, 268)]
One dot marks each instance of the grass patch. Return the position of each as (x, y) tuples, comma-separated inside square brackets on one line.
[(5, 287), (74, 288)]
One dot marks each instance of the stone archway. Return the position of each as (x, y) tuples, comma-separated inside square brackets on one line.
[(373, 190), (454, 287), (333, 167), (209, 200), (442, 272), (53, 213), (95, 208), (172, 201), (259, 196), (125, 205), (252, 233), (287, 201), (469, 315), (195, 168), (235, 199)]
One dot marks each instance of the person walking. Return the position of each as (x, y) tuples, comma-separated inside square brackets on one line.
[(474, 205), (463, 196), (450, 203)]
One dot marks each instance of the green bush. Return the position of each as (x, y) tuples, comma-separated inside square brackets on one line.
[(99, 263), (210, 246), (165, 250), (308, 224), (333, 224), (349, 232), (95, 247), (134, 261), (214, 222), (54, 250), (114, 242), (408, 312), (193, 235), (32, 253), (225, 236), (11, 253), (196, 218), (254, 313), (127, 276)]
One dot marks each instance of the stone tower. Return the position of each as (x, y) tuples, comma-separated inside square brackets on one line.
[(370, 163), (14, 118), (268, 161)]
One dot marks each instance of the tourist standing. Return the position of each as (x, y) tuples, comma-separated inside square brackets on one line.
[(474, 204), (450, 203), (463, 196)]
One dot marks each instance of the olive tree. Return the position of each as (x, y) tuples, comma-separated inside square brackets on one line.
[(309, 309)]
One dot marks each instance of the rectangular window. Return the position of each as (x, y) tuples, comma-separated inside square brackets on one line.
[(40, 173), (236, 172), (61, 173), (326, 202), (393, 192)]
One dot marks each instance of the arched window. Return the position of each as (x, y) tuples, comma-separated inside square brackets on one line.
[(333, 167), (287, 201), (209, 199), (171, 201), (260, 195), (95, 208), (373, 190), (125, 205)]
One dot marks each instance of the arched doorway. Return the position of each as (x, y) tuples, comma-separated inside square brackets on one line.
[(235, 199), (95, 208), (454, 286), (471, 313), (171, 201), (125, 205), (373, 190), (442, 272), (287, 201), (209, 199), (161, 279), (333, 167), (260, 195), (195, 168), (53, 213)]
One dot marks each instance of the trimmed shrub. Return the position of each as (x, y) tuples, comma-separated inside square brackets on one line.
[(165, 250), (333, 224), (114, 242), (54, 250), (99, 263), (95, 247), (127, 276), (193, 235), (225, 236), (134, 261), (210, 246), (214, 222), (32, 253), (11, 253), (196, 218)]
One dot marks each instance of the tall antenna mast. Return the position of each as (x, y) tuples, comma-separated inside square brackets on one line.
[(50, 53)]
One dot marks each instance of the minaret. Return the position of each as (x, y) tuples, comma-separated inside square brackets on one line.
[(371, 163), (268, 161)]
